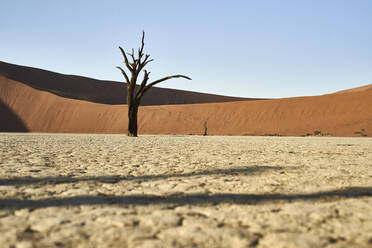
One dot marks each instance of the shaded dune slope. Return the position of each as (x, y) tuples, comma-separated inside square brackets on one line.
[(336, 114), (107, 92), (10, 122)]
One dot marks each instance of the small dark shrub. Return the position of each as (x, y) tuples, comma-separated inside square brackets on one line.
[(317, 133)]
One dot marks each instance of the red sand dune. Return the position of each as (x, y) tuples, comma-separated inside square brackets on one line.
[(367, 87), (336, 114), (108, 92)]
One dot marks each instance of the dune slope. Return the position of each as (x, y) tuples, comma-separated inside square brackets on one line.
[(367, 87), (334, 114), (108, 92)]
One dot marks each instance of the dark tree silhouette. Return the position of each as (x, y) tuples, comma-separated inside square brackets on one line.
[(205, 128), (134, 96)]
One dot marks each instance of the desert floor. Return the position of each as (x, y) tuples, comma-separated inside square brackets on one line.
[(61, 190)]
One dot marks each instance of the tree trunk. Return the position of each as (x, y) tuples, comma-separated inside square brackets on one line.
[(205, 128), (132, 120)]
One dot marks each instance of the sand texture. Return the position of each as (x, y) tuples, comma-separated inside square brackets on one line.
[(63, 190), (347, 114)]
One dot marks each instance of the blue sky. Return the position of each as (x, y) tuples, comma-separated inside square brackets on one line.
[(266, 48)]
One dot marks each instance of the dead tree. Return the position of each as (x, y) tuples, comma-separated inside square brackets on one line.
[(139, 61), (205, 128)]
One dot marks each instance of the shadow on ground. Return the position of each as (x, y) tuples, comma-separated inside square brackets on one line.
[(185, 199), (252, 170)]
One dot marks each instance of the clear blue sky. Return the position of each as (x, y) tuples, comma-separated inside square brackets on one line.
[(261, 48)]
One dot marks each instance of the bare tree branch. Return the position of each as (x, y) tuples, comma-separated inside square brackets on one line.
[(142, 86), (167, 78), (124, 74), (162, 80), (140, 50), (125, 59), (145, 62), (134, 63)]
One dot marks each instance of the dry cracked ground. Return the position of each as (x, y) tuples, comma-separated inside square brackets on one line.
[(59, 190)]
